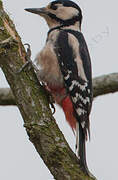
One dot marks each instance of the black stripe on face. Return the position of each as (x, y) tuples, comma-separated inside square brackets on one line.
[(67, 22)]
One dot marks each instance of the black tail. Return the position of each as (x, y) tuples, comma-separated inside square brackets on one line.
[(82, 150)]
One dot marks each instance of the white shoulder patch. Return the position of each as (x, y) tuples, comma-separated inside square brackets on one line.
[(73, 42)]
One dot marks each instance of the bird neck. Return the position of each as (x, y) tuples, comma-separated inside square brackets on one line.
[(75, 27)]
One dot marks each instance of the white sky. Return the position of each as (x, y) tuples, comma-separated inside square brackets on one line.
[(18, 158)]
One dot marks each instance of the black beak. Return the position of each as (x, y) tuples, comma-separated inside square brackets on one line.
[(39, 11)]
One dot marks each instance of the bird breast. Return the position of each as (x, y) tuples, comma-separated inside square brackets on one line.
[(49, 71)]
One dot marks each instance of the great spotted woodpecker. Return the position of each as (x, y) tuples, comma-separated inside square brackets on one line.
[(65, 67)]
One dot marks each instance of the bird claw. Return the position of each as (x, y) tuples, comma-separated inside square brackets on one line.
[(24, 66), (29, 62), (28, 59)]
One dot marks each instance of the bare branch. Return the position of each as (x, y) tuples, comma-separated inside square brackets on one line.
[(30, 98), (101, 85), (105, 84), (6, 97)]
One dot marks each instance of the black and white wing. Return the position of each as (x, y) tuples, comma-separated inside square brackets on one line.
[(76, 75)]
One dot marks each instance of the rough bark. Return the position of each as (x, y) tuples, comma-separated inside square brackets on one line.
[(30, 98), (101, 85)]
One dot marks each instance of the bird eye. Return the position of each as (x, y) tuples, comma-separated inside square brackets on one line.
[(54, 7)]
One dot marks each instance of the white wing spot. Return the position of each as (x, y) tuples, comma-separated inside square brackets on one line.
[(75, 99), (89, 91), (84, 100), (83, 87), (58, 55), (62, 64), (80, 111), (68, 75), (76, 83), (83, 124)]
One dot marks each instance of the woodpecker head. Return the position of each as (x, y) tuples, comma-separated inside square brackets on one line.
[(60, 12)]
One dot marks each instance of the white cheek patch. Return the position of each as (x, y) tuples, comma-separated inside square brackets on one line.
[(65, 13)]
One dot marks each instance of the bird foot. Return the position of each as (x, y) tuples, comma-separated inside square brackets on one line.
[(29, 62)]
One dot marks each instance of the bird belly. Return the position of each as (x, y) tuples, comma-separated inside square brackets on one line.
[(49, 71)]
